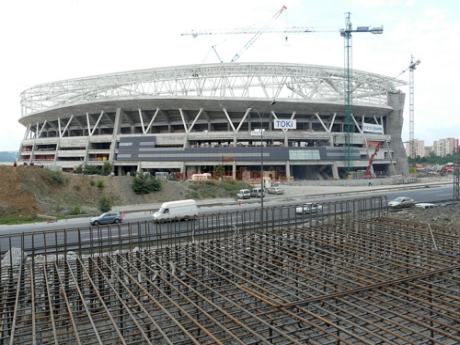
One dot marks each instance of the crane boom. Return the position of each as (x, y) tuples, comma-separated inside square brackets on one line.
[(257, 34)]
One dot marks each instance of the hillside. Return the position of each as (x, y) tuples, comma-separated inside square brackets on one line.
[(27, 191), (8, 156)]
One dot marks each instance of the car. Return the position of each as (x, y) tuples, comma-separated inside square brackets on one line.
[(275, 190), (257, 192), (244, 194), (309, 207), (425, 205), (401, 202), (106, 218)]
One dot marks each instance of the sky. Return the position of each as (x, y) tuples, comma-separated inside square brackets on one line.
[(49, 40)]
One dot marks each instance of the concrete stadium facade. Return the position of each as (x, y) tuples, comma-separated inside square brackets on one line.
[(189, 119)]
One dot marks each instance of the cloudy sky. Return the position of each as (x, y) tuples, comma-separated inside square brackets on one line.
[(48, 40)]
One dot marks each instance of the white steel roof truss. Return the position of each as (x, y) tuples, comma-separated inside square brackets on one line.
[(242, 120), (228, 118)]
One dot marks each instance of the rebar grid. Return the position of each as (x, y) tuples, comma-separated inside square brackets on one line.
[(354, 282)]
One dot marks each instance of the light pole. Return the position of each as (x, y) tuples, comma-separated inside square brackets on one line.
[(262, 163)]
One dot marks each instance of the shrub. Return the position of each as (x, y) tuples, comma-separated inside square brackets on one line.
[(106, 169), (100, 184), (91, 170), (79, 169), (105, 204), (218, 171), (75, 210), (57, 178), (91, 183), (144, 184), (76, 187)]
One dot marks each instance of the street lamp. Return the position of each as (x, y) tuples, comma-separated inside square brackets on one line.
[(262, 163)]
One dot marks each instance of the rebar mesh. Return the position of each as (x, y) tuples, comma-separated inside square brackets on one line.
[(355, 281)]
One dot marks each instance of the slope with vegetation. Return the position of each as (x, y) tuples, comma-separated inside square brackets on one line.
[(27, 192)]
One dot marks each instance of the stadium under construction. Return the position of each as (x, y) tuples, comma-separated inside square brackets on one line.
[(188, 119)]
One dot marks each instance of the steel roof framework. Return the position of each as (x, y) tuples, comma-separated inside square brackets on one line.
[(228, 80)]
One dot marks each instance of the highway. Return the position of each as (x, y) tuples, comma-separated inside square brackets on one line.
[(134, 233), (435, 193), (76, 232)]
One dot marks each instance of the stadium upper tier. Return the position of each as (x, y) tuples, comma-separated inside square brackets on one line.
[(280, 81)]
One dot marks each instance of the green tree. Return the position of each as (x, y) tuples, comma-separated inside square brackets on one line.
[(218, 171), (105, 203), (106, 169), (145, 183)]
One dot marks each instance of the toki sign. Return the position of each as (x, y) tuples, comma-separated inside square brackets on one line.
[(284, 124)]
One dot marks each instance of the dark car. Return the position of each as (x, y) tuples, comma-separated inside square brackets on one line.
[(106, 218)]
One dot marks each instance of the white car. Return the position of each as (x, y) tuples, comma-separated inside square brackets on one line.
[(426, 205), (309, 207), (402, 201)]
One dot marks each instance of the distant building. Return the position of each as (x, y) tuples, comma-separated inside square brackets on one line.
[(419, 148), (444, 147)]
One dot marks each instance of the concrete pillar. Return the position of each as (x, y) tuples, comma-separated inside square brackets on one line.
[(119, 170), (393, 126), (286, 140), (116, 130), (234, 171), (335, 171), (288, 170)]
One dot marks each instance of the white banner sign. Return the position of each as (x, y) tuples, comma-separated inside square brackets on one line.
[(372, 128), (285, 124), (257, 132)]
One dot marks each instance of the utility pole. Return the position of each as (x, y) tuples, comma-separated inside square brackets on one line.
[(348, 86)]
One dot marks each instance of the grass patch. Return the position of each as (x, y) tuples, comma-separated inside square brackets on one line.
[(18, 219)]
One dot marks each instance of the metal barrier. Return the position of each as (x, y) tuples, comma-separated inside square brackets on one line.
[(57, 244)]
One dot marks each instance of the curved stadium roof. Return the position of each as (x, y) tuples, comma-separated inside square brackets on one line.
[(280, 81)]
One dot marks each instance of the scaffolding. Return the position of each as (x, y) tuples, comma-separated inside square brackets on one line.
[(347, 279)]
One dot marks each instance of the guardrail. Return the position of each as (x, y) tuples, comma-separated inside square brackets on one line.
[(55, 245)]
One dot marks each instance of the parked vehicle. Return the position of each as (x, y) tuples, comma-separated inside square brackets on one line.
[(180, 209), (275, 190), (243, 194), (106, 218), (309, 207), (401, 202), (257, 192)]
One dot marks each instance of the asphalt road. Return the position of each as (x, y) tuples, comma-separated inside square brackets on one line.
[(434, 193), (209, 223)]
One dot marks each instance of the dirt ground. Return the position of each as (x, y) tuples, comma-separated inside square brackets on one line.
[(28, 191), (447, 215)]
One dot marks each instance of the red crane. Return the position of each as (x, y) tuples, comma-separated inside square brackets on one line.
[(367, 173)]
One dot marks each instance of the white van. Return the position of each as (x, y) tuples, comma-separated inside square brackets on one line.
[(179, 209)]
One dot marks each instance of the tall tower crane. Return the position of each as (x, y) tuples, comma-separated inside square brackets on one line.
[(411, 68), (346, 33)]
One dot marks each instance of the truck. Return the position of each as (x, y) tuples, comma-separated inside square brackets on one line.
[(179, 209)]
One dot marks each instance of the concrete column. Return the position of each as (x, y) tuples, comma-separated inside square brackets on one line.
[(116, 130), (335, 171), (286, 140), (119, 170), (288, 170), (394, 125), (234, 171)]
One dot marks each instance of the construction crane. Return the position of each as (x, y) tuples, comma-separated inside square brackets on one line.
[(249, 43), (411, 68), (346, 33)]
